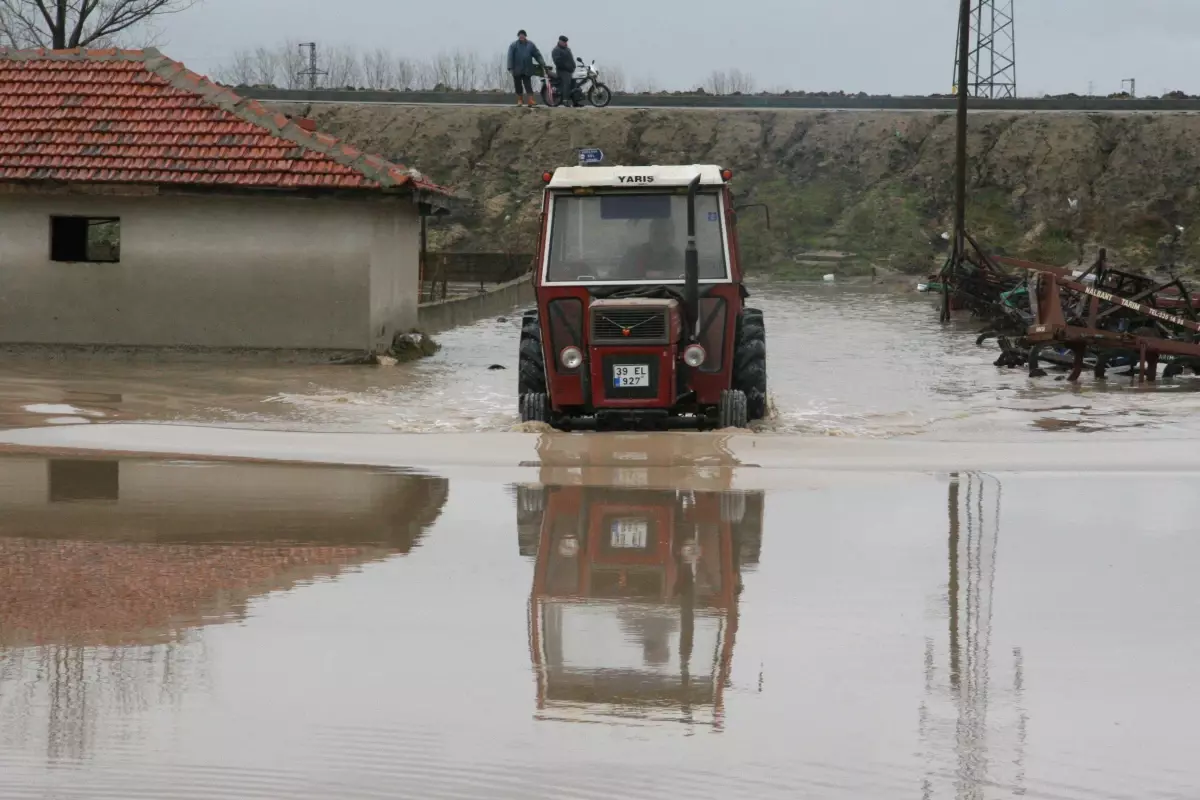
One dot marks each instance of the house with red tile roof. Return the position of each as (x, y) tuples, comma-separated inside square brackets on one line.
[(144, 205)]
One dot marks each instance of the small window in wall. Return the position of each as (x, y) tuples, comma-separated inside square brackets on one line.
[(94, 239)]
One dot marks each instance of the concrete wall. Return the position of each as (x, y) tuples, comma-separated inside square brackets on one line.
[(477, 267), (219, 272), (395, 276), (445, 314)]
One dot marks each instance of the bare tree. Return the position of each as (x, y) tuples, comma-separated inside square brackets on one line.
[(266, 67), (378, 70), (740, 82), (59, 24), (614, 78), (239, 71), (496, 77), (459, 70), (342, 65), (717, 82), (464, 71), (292, 65), (406, 73), (440, 72)]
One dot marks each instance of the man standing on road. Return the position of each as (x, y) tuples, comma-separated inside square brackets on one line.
[(564, 64), (521, 56)]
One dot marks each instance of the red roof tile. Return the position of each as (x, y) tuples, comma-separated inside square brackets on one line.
[(136, 116)]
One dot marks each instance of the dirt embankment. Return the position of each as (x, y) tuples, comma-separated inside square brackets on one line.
[(875, 185)]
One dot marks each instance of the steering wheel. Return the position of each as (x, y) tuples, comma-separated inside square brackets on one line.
[(578, 270)]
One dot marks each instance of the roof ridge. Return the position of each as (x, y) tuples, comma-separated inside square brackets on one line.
[(78, 54)]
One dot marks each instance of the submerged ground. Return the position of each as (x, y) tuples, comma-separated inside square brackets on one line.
[(925, 578), (848, 362)]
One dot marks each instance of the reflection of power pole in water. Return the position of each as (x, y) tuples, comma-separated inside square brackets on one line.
[(970, 588), (687, 615), (952, 591), (972, 695)]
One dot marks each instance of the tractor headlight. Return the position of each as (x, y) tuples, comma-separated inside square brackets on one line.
[(571, 357), (694, 355), (568, 547)]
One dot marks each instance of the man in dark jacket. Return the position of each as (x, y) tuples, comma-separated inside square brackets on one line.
[(564, 64), (521, 57)]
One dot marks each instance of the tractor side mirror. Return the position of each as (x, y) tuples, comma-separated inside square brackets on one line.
[(766, 210)]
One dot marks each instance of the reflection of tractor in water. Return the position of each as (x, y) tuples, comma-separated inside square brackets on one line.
[(634, 605)]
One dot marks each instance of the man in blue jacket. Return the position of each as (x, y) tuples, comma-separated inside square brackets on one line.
[(521, 57), (564, 65)]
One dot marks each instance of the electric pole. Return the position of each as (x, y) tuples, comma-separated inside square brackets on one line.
[(312, 72), (991, 50), (961, 81)]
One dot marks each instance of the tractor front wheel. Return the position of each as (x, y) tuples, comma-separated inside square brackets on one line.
[(531, 364), (535, 407), (731, 413), (750, 361)]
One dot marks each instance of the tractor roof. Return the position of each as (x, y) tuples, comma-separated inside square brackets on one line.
[(635, 177)]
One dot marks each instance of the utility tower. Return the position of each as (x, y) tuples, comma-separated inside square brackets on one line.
[(992, 51), (312, 73)]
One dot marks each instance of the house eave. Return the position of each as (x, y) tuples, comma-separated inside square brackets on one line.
[(437, 203)]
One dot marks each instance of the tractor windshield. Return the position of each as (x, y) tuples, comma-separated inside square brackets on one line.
[(638, 238)]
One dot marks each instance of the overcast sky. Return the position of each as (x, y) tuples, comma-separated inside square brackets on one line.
[(878, 46)]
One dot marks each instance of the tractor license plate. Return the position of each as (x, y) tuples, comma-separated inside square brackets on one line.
[(629, 534), (630, 376)]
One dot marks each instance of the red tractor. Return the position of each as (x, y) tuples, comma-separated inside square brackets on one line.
[(640, 318)]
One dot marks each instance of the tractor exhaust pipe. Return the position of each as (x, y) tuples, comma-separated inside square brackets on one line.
[(691, 265)]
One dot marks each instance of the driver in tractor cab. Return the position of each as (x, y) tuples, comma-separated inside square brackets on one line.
[(658, 258)]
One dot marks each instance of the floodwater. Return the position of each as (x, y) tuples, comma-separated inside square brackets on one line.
[(852, 362), (182, 629), (923, 578)]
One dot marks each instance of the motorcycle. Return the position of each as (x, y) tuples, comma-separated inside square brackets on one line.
[(586, 85)]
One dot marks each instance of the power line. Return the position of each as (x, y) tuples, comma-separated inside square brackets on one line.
[(992, 54)]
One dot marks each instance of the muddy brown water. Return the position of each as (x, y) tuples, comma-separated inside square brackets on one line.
[(844, 361), (836, 607), (183, 629)]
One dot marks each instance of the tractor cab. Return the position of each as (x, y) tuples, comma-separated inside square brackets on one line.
[(640, 317), (634, 608)]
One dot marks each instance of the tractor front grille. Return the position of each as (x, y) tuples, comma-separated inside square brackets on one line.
[(629, 326)]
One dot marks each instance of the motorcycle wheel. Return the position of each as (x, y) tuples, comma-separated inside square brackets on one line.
[(546, 97), (599, 95)]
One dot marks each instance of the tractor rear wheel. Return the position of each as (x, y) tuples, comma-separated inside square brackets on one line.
[(731, 413), (535, 407), (531, 365), (750, 361)]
